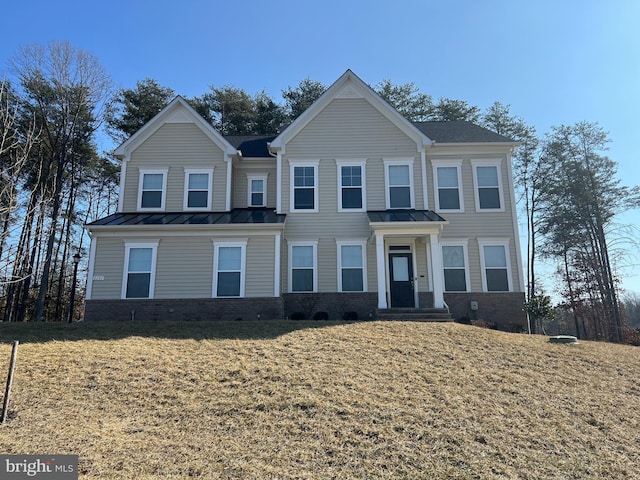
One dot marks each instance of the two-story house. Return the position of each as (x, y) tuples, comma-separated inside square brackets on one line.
[(352, 208)]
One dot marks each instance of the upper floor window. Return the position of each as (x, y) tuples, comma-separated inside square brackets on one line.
[(488, 186), (139, 270), (399, 184), (152, 189), (304, 187), (455, 266), (351, 186), (496, 267), (448, 187), (257, 190), (303, 271), (229, 269), (197, 189)]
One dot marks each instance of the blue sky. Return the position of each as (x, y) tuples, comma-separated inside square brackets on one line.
[(554, 61)]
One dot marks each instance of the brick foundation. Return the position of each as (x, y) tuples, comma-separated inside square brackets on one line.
[(185, 309), (504, 309), (336, 304)]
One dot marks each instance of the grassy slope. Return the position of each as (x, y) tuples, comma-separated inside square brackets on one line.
[(322, 400)]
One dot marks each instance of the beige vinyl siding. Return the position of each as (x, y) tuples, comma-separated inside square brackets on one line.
[(350, 126), (176, 147), (108, 264), (473, 224), (420, 253), (260, 267), (184, 266), (241, 183)]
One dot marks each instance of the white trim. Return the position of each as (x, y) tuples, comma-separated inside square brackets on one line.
[(277, 265), (436, 192), (227, 188), (410, 242), (351, 85), (128, 245), (438, 278), (313, 244), (242, 244), (464, 243), (197, 171), (157, 171), (363, 188), (351, 243), (381, 271), (250, 179), (180, 111), (389, 162), (278, 183), (495, 242), (475, 163), (91, 269), (298, 164), (123, 178), (423, 173)]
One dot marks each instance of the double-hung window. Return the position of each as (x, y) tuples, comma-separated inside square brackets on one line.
[(352, 266), (488, 186), (303, 271), (304, 187), (229, 268), (139, 270), (257, 190), (351, 186), (455, 266), (197, 189), (448, 187), (152, 189), (399, 184), (496, 267)]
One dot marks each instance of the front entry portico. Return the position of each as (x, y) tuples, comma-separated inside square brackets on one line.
[(398, 234)]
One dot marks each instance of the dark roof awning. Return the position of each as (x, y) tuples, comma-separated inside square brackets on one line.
[(404, 216), (405, 222), (237, 217)]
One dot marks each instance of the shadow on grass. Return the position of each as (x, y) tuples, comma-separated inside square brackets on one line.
[(246, 329)]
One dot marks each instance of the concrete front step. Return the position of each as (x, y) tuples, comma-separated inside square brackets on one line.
[(415, 314)]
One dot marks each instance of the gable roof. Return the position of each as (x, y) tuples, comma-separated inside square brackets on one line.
[(178, 111), (349, 85), (459, 131), (439, 132)]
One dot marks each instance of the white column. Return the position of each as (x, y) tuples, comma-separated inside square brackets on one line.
[(382, 282), (436, 262)]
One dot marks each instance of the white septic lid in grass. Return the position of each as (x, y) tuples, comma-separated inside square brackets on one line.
[(563, 339)]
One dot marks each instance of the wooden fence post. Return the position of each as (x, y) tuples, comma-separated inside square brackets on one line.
[(7, 392)]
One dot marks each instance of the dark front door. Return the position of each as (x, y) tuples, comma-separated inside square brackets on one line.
[(401, 275)]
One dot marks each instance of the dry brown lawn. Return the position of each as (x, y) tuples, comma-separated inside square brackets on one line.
[(320, 400)]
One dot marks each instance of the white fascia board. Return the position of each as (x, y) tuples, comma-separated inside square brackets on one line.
[(180, 111), (350, 82)]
